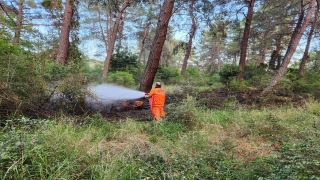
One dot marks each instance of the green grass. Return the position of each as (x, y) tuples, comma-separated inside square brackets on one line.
[(192, 143)]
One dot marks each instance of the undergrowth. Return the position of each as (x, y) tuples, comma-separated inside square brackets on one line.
[(193, 142)]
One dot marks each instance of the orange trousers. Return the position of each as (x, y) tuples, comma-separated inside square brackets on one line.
[(157, 112)]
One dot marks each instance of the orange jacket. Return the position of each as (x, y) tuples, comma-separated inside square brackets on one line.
[(158, 96)]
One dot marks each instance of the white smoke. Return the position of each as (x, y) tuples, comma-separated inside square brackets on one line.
[(108, 94)]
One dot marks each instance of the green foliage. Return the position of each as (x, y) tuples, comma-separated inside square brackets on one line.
[(120, 78), (168, 75), (16, 148), (308, 83), (184, 112), (123, 61), (197, 78), (55, 72), (218, 146), (292, 74), (228, 72), (21, 80), (255, 76), (238, 86), (94, 74), (171, 130)]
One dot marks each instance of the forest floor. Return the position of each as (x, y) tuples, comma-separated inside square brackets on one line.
[(212, 99)]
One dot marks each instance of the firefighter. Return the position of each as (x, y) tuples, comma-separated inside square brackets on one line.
[(157, 98)]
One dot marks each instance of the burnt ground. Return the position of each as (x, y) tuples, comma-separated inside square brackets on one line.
[(213, 99)]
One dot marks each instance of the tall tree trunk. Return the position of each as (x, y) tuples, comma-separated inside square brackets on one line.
[(275, 54), (263, 50), (244, 44), (212, 52), (215, 59), (262, 55), (146, 30), (295, 38), (18, 23), (191, 35), (218, 54), (121, 28), (112, 40), (306, 51), (157, 45), (234, 58), (65, 31)]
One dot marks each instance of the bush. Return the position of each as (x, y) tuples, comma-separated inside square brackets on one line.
[(21, 81), (120, 78), (198, 78), (184, 112), (228, 72), (308, 83), (238, 85), (123, 61), (55, 72), (168, 75), (255, 76), (93, 73), (292, 74)]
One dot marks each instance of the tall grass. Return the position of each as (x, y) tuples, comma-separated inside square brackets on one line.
[(192, 143)]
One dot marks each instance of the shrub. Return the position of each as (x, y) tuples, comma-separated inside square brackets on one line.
[(255, 76), (195, 77), (228, 72), (168, 75), (123, 61), (238, 85), (308, 83), (292, 74), (21, 81), (93, 73), (184, 112), (55, 72), (120, 78)]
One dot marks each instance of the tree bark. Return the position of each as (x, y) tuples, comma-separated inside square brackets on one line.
[(306, 51), (112, 40), (218, 54), (295, 38), (65, 31), (146, 29), (157, 45), (18, 23), (212, 52), (191, 35), (244, 44), (121, 28), (275, 54)]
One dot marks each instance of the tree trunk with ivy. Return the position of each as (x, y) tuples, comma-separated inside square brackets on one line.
[(157, 45)]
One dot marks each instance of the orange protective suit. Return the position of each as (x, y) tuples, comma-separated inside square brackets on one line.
[(157, 100)]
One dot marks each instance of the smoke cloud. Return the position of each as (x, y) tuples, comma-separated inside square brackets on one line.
[(108, 94)]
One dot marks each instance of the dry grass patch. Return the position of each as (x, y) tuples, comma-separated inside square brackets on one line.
[(235, 139)]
